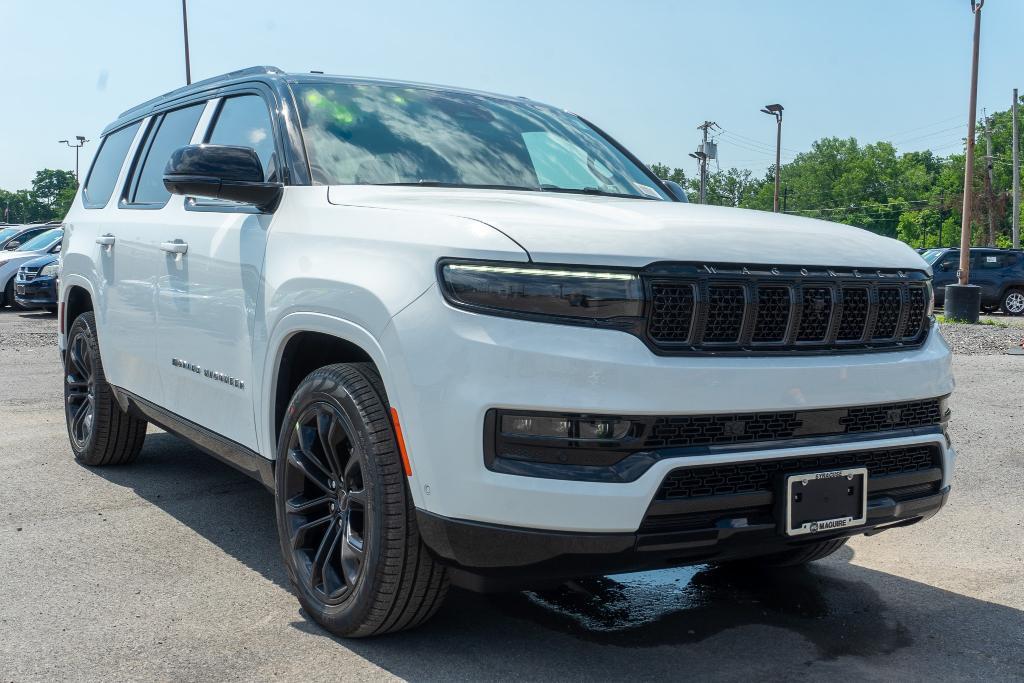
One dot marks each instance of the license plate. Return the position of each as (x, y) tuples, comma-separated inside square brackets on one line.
[(19, 289), (819, 502)]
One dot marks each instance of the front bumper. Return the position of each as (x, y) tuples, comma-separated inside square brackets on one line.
[(487, 557), (39, 292), (448, 367)]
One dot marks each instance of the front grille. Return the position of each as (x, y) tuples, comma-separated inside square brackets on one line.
[(759, 476), (685, 431), (27, 274), (742, 309)]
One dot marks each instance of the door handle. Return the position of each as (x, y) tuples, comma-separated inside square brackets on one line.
[(176, 247), (105, 240)]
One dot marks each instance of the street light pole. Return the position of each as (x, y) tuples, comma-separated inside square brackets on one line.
[(80, 140), (184, 24), (776, 111)]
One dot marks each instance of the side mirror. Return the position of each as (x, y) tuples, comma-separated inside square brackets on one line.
[(11, 246), (944, 267), (221, 172), (677, 190)]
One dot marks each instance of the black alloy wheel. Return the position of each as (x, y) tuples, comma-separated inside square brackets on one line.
[(80, 392), (100, 432), (345, 515), (326, 503)]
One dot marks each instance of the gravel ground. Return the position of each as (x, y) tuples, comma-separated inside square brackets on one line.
[(169, 570), (980, 340)]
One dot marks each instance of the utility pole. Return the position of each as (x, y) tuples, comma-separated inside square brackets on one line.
[(963, 301), (1016, 176), (708, 150), (702, 160), (80, 139), (184, 23), (776, 111), (989, 183)]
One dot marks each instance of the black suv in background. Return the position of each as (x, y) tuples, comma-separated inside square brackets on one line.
[(999, 273), (35, 285)]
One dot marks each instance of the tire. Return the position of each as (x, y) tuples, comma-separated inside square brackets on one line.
[(8, 298), (792, 558), (99, 431), (1013, 302), (345, 516)]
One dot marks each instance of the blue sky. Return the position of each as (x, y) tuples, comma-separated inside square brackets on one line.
[(647, 71)]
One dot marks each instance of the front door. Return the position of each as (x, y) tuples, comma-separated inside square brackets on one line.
[(209, 288)]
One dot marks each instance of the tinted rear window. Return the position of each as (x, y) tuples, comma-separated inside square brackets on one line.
[(174, 130), (106, 167)]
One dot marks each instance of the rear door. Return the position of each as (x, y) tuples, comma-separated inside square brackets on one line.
[(133, 260), (208, 295)]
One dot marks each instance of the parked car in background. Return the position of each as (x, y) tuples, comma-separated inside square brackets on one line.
[(999, 273), (13, 236), (40, 245), (35, 285)]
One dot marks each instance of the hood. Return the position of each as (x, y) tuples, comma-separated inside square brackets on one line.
[(585, 229), (40, 261), (8, 256)]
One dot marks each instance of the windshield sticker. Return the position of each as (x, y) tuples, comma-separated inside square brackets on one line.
[(647, 190)]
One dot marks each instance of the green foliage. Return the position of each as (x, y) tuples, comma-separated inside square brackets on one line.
[(49, 199), (916, 197)]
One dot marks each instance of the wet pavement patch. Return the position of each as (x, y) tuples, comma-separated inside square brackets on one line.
[(689, 604)]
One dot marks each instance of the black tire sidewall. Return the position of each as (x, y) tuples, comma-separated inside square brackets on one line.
[(84, 326), (355, 609)]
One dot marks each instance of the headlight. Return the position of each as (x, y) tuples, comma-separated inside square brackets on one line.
[(588, 296), (51, 270)]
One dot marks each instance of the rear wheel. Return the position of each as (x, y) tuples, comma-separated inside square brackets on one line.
[(8, 298), (100, 432), (1013, 302), (344, 513)]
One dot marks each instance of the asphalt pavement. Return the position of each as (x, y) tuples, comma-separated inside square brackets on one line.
[(168, 569)]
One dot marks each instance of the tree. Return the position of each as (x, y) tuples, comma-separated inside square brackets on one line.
[(49, 199)]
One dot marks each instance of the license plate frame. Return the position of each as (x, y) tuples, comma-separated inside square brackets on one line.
[(810, 508)]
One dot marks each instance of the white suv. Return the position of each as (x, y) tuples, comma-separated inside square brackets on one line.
[(470, 338)]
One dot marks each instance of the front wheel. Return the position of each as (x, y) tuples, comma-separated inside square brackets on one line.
[(344, 512), (1013, 302)]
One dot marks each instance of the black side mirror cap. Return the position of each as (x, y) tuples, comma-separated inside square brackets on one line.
[(221, 172)]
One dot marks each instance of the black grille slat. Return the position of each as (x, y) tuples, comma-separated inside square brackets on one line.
[(687, 431), (759, 476), (854, 317), (724, 314), (772, 319), (815, 314), (917, 304), (890, 305), (672, 307)]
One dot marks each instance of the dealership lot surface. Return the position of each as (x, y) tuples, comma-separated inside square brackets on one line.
[(169, 569)]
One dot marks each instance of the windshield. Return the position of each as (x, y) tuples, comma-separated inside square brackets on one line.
[(42, 241), (931, 255), (359, 134), (7, 232)]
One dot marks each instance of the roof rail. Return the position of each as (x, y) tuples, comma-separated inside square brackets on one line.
[(198, 85)]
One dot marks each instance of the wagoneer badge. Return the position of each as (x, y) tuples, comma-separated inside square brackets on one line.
[(212, 374)]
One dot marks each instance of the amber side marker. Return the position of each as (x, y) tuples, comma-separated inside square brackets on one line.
[(401, 443)]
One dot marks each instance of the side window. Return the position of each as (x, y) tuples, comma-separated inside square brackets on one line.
[(245, 121), (106, 167), (173, 130), (951, 262), (989, 261)]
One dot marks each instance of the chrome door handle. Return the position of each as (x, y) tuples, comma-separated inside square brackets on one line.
[(174, 247), (105, 240)]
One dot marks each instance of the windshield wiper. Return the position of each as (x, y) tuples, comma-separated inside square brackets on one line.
[(591, 190)]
